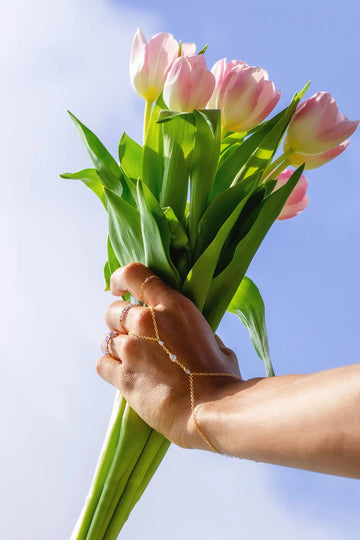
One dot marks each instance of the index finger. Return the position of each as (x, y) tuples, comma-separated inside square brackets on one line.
[(141, 283)]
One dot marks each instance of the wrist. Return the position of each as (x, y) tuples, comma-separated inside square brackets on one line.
[(207, 424)]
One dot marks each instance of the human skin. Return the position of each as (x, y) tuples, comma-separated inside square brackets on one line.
[(307, 421)]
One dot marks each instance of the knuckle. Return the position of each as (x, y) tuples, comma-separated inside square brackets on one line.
[(114, 278), (109, 311), (144, 321), (128, 347), (131, 268)]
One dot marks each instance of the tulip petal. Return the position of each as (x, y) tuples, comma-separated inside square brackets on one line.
[(267, 100), (188, 49), (177, 86), (238, 96), (161, 52), (293, 210), (338, 133), (202, 86), (150, 62), (313, 161)]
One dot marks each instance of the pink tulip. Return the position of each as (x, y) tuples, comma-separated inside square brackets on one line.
[(189, 84), (220, 69), (317, 126), (244, 94), (298, 200), (150, 63), (312, 161)]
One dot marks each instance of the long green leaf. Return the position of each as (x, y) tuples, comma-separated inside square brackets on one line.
[(224, 285), (106, 166), (203, 166), (156, 243), (153, 153), (130, 157), (91, 179), (198, 281), (124, 230), (111, 265), (248, 305), (178, 237), (179, 135), (219, 210)]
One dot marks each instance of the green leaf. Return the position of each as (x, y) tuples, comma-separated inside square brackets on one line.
[(130, 156), (178, 236), (203, 50), (248, 305), (153, 152), (106, 166), (165, 115), (178, 144), (111, 265), (220, 209), (112, 259), (156, 237), (91, 179), (203, 165), (124, 230), (198, 281), (107, 275), (224, 285)]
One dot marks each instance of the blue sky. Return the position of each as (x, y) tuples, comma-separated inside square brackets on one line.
[(54, 409)]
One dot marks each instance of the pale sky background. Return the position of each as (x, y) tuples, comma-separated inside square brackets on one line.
[(73, 54)]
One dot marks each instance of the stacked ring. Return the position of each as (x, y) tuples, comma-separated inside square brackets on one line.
[(107, 342), (124, 313)]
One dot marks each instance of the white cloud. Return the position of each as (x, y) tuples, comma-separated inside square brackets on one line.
[(53, 56)]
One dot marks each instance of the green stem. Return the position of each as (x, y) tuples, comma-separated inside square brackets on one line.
[(102, 469), (276, 163), (147, 116), (278, 170), (133, 437), (153, 453)]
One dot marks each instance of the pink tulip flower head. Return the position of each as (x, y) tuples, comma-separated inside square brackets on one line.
[(150, 62), (317, 127), (244, 95), (220, 69), (298, 200), (189, 84)]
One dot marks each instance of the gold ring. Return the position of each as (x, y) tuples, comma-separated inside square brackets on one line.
[(124, 313), (106, 344), (146, 280)]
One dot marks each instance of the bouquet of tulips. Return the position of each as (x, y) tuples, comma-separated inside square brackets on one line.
[(194, 203)]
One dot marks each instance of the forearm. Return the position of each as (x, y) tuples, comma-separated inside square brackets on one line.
[(304, 421)]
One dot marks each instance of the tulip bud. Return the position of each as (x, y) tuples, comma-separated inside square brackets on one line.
[(244, 94), (312, 161), (297, 200), (189, 84), (150, 63), (317, 126)]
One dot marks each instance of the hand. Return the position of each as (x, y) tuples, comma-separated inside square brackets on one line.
[(154, 386)]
